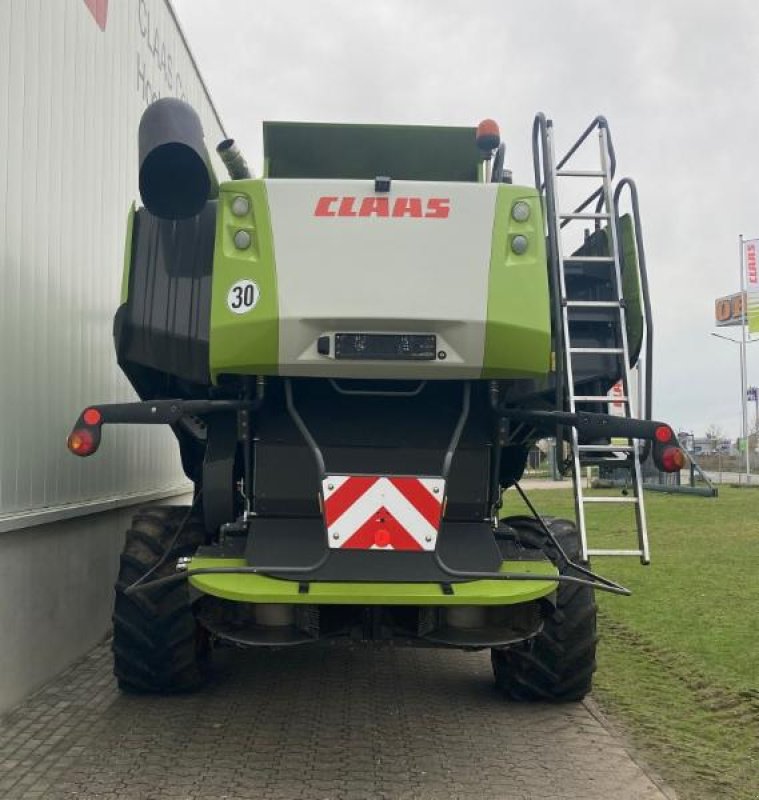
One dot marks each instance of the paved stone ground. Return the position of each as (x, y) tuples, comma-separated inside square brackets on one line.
[(332, 724)]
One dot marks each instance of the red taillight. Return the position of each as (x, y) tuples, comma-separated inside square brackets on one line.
[(82, 442), (663, 434), (672, 459), (92, 417)]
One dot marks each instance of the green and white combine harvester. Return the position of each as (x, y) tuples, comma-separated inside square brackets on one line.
[(355, 353)]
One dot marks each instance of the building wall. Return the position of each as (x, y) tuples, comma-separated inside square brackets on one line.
[(71, 96), (75, 76), (56, 591)]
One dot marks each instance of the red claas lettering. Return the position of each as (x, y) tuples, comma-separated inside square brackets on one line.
[(438, 207), (324, 207), (381, 206)]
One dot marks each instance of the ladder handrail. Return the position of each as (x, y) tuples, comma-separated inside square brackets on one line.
[(629, 183), (615, 243), (540, 125), (599, 122), (543, 183), (539, 128)]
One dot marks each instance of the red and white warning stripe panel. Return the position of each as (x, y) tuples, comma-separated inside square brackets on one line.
[(382, 512)]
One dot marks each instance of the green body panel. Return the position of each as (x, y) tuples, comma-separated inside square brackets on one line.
[(244, 343), (599, 244), (631, 287), (403, 152), (127, 254), (261, 589), (518, 328)]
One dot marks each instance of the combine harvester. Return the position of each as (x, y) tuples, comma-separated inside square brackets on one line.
[(355, 353)]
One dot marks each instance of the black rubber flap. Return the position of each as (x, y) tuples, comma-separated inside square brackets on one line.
[(282, 543)]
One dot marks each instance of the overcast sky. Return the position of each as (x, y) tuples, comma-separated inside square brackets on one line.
[(678, 81)]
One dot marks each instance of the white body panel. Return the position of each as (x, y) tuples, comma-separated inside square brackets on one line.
[(71, 93), (377, 274)]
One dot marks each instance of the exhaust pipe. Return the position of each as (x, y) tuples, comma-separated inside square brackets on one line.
[(233, 160), (175, 175)]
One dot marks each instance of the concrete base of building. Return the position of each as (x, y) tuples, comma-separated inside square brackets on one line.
[(56, 595)]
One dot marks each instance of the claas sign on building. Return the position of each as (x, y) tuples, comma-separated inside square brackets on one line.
[(729, 310)]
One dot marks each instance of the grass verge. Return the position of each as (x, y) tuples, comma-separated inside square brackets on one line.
[(678, 662)]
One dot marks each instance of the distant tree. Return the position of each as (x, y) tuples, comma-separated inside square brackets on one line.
[(714, 432)]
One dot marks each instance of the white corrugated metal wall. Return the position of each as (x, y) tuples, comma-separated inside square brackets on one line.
[(75, 75)]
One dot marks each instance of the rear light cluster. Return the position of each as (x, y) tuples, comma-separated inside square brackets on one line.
[(668, 456), (663, 434), (92, 417), (673, 459), (84, 440)]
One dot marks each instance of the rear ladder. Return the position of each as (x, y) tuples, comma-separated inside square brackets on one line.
[(625, 456)]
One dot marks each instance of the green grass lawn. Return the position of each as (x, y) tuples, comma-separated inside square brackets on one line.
[(678, 662)]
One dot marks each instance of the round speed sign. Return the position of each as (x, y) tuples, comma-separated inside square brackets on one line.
[(243, 296)]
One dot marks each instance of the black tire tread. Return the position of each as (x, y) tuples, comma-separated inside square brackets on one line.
[(558, 664), (155, 638)]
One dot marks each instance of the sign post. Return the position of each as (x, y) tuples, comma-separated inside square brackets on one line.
[(750, 286)]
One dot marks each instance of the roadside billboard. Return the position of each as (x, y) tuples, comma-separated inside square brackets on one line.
[(729, 310)]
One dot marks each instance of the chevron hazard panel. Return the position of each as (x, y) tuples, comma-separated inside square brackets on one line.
[(382, 512)]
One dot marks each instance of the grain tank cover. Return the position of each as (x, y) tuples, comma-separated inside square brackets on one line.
[(402, 152)]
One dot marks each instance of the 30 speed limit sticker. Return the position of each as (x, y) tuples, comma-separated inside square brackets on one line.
[(243, 296)]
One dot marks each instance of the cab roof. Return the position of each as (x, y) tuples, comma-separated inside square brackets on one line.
[(402, 152)]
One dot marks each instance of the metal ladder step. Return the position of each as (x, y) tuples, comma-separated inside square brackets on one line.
[(580, 173), (609, 552), (600, 398), (606, 448), (592, 304), (623, 462), (585, 215), (600, 350), (588, 259), (613, 463)]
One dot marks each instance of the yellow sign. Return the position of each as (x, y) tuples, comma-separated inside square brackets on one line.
[(729, 310)]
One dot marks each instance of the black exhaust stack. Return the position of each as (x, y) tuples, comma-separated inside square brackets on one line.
[(176, 178)]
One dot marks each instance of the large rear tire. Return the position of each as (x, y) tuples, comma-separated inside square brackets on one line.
[(157, 644), (558, 664)]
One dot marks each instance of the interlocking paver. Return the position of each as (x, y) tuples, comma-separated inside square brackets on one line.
[(322, 724)]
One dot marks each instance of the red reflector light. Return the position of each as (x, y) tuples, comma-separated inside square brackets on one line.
[(81, 442), (663, 434), (673, 459), (92, 416), (382, 538)]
